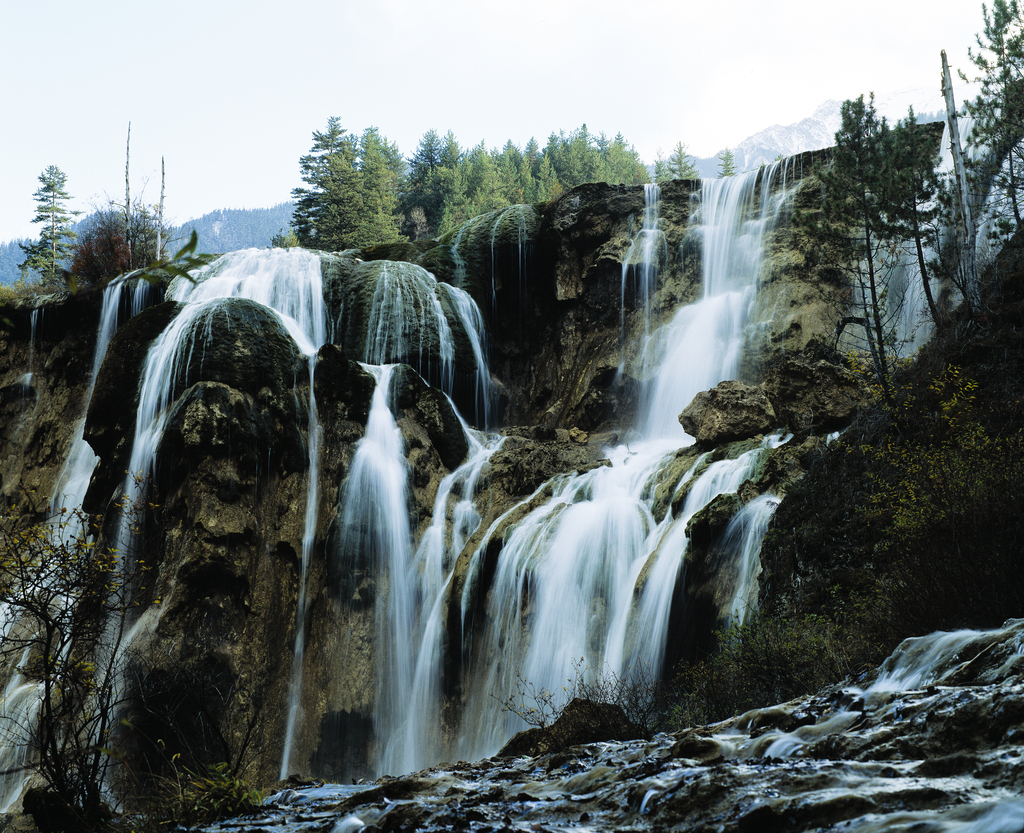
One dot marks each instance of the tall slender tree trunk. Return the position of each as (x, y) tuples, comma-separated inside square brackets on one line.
[(160, 217), (966, 231), (128, 198), (924, 270)]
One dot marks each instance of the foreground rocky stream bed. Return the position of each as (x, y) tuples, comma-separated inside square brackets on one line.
[(934, 742)]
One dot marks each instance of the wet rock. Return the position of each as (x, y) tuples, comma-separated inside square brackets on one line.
[(817, 395), (431, 409), (710, 522), (581, 721), (731, 411), (43, 384), (521, 465), (804, 766), (110, 423)]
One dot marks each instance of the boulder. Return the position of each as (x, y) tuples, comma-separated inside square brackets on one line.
[(431, 409), (814, 394), (730, 411), (521, 465), (581, 721)]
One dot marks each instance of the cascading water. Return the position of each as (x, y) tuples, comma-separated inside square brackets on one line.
[(375, 538), (69, 491), (414, 318), (455, 519), (588, 577), (508, 233), (744, 535), (647, 253), (20, 701), (704, 343), (589, 574)]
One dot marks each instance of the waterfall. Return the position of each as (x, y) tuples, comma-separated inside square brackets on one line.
[(586, 579), (375, 538), (648, 251), (744, 535), (514, 226), (69, 490), (414, 318), (704, 343), (588, 570), (288, 284), (20, 701)]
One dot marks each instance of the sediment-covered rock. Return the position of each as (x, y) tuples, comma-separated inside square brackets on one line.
[(730, 411)]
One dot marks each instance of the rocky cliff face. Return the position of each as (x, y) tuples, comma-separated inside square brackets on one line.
[(227, 511)]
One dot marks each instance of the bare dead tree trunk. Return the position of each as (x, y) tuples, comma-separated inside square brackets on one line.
[(966, 231), (127, 197), (160, 217)]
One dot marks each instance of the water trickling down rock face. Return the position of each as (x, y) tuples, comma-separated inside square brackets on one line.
[(271, 585)]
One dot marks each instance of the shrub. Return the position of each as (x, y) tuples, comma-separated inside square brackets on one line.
[(640, 694), (69, 603), (947, 495), (764, 661), (217, 793)]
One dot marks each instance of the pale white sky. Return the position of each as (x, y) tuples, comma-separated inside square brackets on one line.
[(230, 91)]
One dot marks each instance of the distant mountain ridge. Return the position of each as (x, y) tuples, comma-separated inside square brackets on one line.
[(818, 130), (231, 229), (220, 231)]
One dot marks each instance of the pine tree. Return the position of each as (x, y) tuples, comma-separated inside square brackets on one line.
[(661, 171), (623, 164), (426, 158), (379, 221), (913, 189), (52, 252), (422, 192), (457, 207), (726, 163), (483, 186), (327, 214), (999, 109), (548, 185), (852, 234), (681, 165)]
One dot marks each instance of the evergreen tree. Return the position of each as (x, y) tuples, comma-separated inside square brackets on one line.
[(852, 234), (681, 164), (284, 239), (548, 185), (451, 153), (483, 187), (422, 192), (457, 207), (509, 164), (426, 158), (623, 165), (51, 253), (380, 180), (913, 188), (327, 214), (999, 109), (661, 171), (726, 163), (580, 160)]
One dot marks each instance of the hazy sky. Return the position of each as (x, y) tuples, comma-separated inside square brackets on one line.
[(229, 92)]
